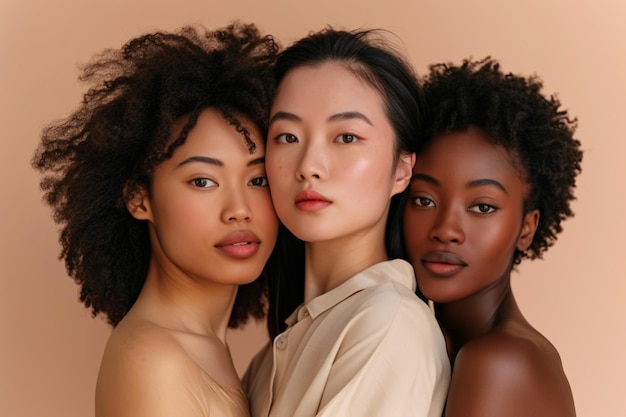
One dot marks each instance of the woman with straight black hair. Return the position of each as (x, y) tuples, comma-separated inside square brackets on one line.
[(350, 337)]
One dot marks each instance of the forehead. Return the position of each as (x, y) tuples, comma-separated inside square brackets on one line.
[(212, 132), (331, 83), (469, 154), (212, 126)]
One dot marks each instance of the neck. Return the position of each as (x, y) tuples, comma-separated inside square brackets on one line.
[(328, 264), (178, 302), (464, 320)]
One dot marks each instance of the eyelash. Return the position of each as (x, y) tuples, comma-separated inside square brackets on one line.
[(290, 138), (196, 182), (426, 202), (207, 183), (355, 138), (280, 137), (264, 180), (490, 208), (420, 202)]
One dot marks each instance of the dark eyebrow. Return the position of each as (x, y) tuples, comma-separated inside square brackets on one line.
[(217, 162), (256, 161), (350, 115), (486, 181), (426, 178), (470, 184), (203, 159), (283, 115)]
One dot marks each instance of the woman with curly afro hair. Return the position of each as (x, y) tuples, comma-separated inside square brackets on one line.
[(158, 182), (492, 183)]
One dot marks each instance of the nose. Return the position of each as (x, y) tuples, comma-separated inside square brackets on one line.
[(313, 163), (236, 209), (448, 227)]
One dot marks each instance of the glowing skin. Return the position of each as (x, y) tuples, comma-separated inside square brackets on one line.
[(331, 168), (212, 227), (464, 217), (210, 211), (330, 157), (463, 221)]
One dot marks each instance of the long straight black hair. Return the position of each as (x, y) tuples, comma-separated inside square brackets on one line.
[(372, 59)]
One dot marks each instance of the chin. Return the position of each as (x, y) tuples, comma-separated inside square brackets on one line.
[(241, 276), (310, 234), (436, 296)]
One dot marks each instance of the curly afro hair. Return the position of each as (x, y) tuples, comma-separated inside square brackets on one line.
[(93, 160), (512, 111)]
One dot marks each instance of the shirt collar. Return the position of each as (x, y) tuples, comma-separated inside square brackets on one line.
[(396, 270)]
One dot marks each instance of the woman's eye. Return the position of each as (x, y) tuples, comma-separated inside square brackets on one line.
[(423, 202), (259, 182), (203, 183), (483, 208), (347, 138), (286, 138)]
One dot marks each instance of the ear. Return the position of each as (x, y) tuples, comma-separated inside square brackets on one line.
[(529, 226), (138, 203), (404, 172)]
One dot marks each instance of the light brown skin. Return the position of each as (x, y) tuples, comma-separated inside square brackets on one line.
[(159, 357), (463, 222)]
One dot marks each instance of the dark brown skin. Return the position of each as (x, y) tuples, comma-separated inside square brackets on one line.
[(502, 366), (463, 222)]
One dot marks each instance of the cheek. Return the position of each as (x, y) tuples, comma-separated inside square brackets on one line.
[(175, 203), (264, 211), (358, 167), (371, 173), (497, 243), (279, 168), (266, 221), (181, 226), (413, 228), (191, 214)]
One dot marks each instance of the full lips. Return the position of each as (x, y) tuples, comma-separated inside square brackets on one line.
[(442, 269), (312, 205), (239, 244), (240, 250), (443, 263), (309, 200)]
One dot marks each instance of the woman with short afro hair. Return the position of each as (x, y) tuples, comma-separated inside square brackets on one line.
[(492, 182), (158, 183)]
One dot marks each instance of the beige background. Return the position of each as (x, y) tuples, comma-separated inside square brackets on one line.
[(50, 347)]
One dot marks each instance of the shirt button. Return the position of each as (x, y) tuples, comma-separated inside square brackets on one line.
[(281, 342)]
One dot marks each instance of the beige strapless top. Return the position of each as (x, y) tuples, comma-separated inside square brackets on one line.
[(215, 400)]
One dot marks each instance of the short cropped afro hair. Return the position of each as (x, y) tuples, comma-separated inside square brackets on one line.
[(93, 160), (512, 111)]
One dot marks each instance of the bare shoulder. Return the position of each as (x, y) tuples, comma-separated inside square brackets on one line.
[(512, 354), (135, 346), (509, 373), (143, 370)]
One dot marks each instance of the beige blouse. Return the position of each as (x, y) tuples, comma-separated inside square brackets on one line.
[(369, 347)]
